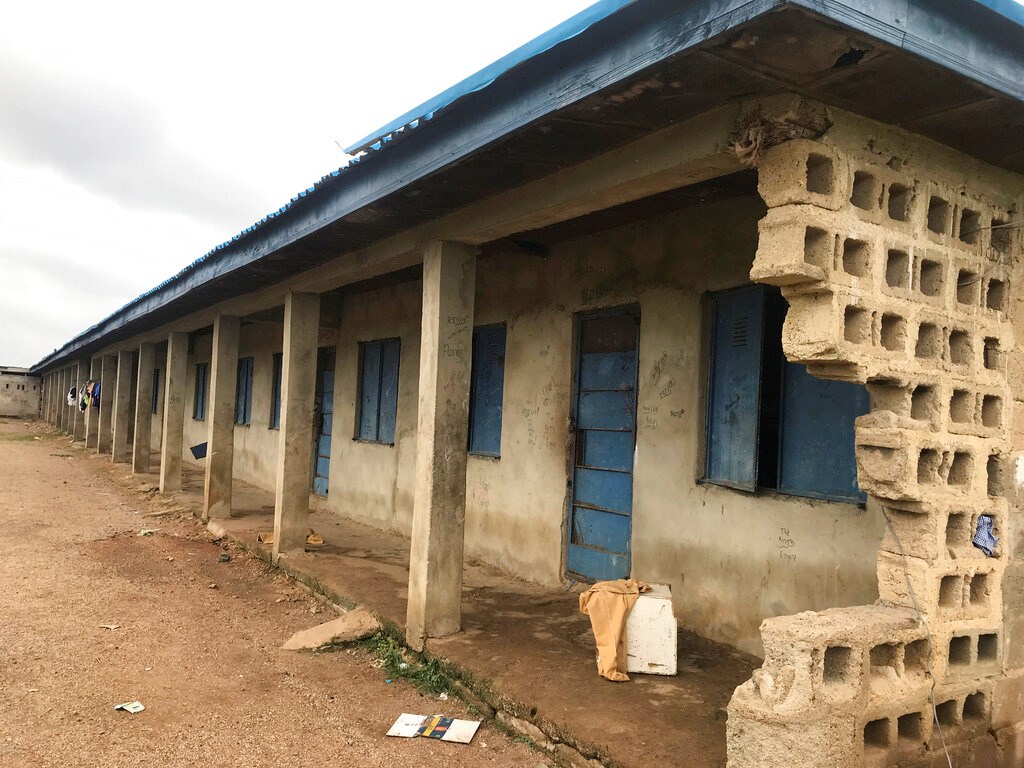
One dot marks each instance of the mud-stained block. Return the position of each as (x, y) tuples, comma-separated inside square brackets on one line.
[(794, 249), (1008, 701), (897, 276), (804, 171), (813, 329), (1010, 746), (886, 463), (756, 739), (947, 590)]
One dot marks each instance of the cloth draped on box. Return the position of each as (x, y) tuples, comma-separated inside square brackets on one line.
[(608, 603)]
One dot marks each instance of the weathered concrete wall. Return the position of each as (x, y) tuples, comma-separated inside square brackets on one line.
[(194, 431), (255, 456), (370, 481), (156, 427), (20, 396), (899, 259), (719, 548)]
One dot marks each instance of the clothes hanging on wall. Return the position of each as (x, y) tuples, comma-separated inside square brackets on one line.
[(87, 395), (73, 397)]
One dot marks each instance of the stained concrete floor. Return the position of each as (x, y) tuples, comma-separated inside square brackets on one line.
[(530, 643)]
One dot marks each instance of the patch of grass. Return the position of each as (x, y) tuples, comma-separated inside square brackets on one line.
[(16, 438), (429, 675)]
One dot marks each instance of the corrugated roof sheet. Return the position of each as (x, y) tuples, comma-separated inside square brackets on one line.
[(411, 120), (475, 82), (403, 126)]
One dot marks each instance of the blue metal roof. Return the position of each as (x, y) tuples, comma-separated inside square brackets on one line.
[(943, 31), (1011, 9), (425, 111)]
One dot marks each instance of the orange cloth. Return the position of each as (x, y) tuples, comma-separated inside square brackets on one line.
[(608, 603)]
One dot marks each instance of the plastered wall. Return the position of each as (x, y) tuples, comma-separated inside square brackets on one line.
[(255, 453), (732, 558), (20, 395), (370, 481)]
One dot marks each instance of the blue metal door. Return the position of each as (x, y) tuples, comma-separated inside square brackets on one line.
[(325, 407), (604, 414)]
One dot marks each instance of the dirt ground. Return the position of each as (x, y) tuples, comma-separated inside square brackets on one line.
[(197, 642)]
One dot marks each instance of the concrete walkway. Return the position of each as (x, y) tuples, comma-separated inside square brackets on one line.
[(529, 650)]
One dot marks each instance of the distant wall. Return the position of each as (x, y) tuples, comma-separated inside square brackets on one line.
[(20, 395)]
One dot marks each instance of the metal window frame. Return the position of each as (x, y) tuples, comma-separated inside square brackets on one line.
[(199, 393), (473, 383)]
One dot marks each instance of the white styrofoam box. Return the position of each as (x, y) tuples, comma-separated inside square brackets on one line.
[(651, 633)]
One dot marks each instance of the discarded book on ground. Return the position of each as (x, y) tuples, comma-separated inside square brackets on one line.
[(132, 707), (435, 727)]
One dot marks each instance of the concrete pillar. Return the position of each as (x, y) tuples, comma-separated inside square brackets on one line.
[(141, 446), (92, 414), (298, 392), (81, 374), (122, 406), (108, 383), (172, 438), (69, 412), (220, 415), (439, 505), (48, 398), (62, 405)]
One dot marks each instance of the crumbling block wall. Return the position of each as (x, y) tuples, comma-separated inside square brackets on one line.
[(900, 274)]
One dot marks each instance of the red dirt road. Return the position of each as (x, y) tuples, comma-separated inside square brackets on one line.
[(205, 661)]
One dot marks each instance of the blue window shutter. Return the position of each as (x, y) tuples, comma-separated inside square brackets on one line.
[(487, 387), (817, 457), (734, 390), (275, 397), (240, 393), (369, 390), (199, 400), (390, 352), (243, 391), (248, 390)]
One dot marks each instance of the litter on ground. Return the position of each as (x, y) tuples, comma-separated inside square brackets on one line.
[(434, 727), (132, 707)]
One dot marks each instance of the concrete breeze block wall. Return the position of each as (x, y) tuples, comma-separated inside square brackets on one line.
[(899, 272)]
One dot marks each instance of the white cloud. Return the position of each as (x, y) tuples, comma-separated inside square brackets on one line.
[(137, 136)]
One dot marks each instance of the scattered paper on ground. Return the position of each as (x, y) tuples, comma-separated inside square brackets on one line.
[(407, 725), (133, 707), (435, 727), (110, 626)]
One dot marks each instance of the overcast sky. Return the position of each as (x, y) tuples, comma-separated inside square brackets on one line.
[(135, 137)]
